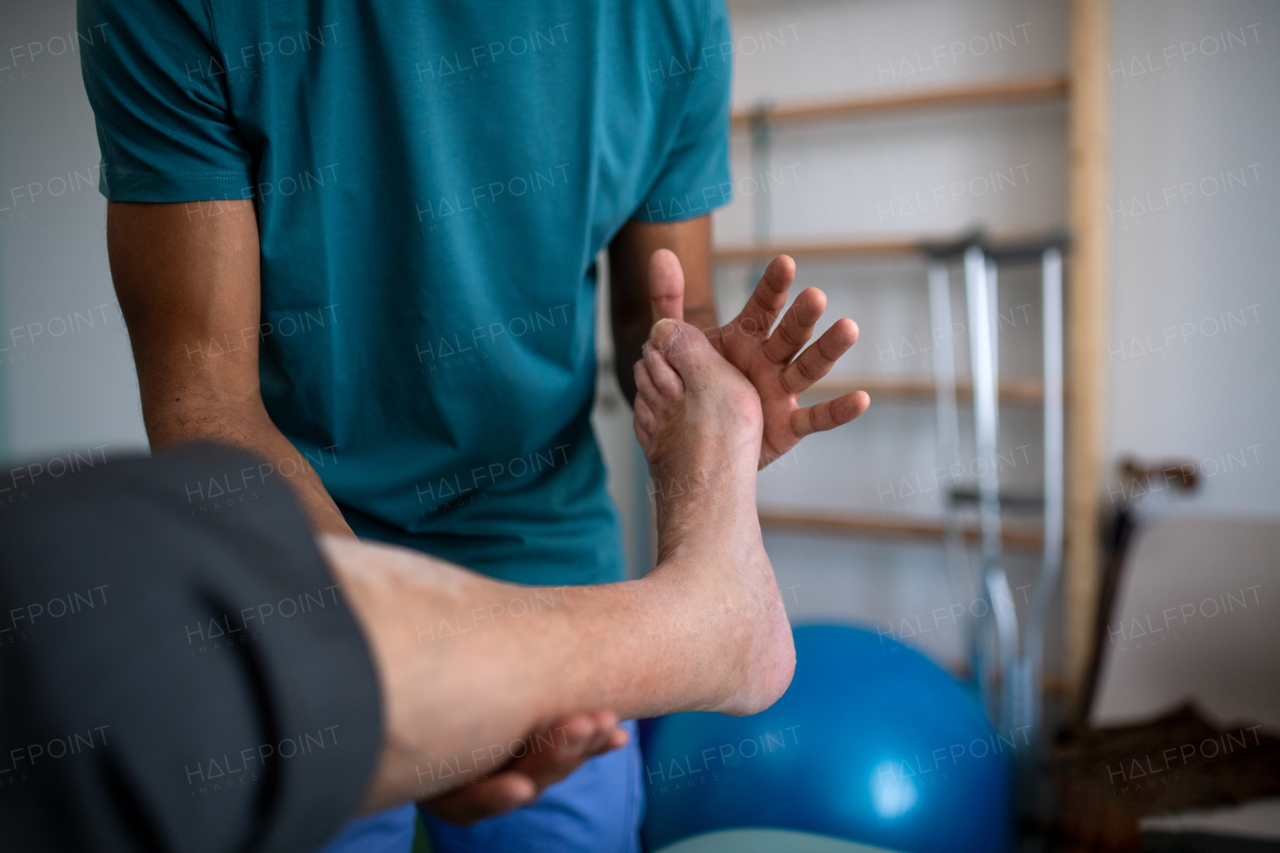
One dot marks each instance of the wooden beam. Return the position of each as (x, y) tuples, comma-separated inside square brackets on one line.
[(1087, 312), (1023, 391), (865, 247), (1026, 536), (1002, 91)]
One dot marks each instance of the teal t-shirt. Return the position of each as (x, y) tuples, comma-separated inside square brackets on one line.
[(432, 182)]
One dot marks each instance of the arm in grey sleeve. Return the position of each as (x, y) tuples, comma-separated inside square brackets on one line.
[(178, 666)]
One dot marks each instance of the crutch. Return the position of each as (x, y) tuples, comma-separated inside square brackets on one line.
[(947, 420), (980, 292), (1054, 493), (1023, 678)]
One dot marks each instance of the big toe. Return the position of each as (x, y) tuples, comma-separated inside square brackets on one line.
[(685, 346)]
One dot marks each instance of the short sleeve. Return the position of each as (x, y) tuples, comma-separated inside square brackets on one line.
[(695, 178), (164, 123)]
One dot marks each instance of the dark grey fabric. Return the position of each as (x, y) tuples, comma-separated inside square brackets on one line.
[(178, 670)]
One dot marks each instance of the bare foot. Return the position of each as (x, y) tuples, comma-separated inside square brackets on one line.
[(700, 424)]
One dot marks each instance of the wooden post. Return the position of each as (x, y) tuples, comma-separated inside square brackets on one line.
[(1088, 301)]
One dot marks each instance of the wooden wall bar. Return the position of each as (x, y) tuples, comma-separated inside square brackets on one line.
[(1088, 311), (1000, 91)]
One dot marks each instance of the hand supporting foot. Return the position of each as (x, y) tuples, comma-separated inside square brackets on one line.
[(767, 356)]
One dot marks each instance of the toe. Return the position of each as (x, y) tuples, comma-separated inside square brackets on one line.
[(645, 418), (642, 436), (645, 389), (683, 345), (665, 378)]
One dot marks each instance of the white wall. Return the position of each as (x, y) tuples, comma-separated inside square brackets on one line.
[(1207, 124), (65, 367)]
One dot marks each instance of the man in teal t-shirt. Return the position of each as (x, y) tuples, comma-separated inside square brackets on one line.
[(360, 240)]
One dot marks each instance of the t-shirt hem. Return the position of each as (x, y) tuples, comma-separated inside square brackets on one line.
[(167, 187), (677, 208)]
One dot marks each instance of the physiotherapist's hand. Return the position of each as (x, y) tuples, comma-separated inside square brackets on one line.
[(574, 739), (770, 360)]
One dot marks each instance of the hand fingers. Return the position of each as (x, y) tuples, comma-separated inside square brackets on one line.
[(607, 741), (618, 738), (666, 285), (766, 302), (485, 798), (576, 740), (609, 735), (817, 360), (796, 327), (664, 376), (829, 415)]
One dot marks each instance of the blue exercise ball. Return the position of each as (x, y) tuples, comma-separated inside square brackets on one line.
[(873, 742)]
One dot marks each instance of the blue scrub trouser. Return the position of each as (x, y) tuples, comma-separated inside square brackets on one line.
[(385, 832), (598, 809)]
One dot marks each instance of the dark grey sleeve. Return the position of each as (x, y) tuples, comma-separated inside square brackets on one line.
[(178, 670)]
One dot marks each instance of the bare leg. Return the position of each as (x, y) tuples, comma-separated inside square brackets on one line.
[(464, 680), (699, 421)]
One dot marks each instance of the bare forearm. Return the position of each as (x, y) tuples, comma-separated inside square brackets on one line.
[(245, 424), (188, 283)]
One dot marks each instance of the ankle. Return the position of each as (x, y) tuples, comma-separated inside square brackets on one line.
[(704, 499)]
